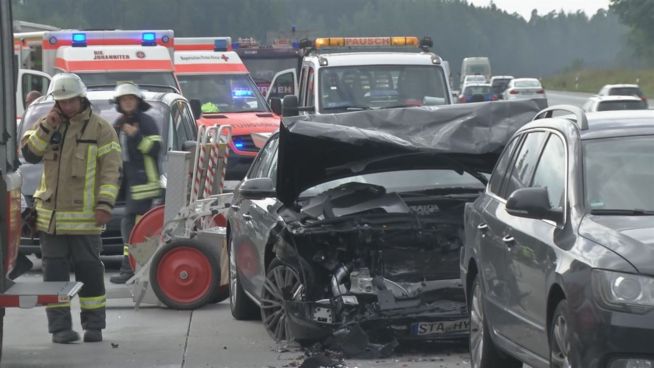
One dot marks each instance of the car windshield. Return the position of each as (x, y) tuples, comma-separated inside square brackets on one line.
[(396, 181), (223, 92), (531, 83), (475, 78), (158, 111), (619, 173), (476, 90), (622, 105), (164, 79), (625, 91), (381, 86)]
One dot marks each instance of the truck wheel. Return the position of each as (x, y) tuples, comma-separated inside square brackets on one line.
[(242, 307), (483, 352), (184, 274)]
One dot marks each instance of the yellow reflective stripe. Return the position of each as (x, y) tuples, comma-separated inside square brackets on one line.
[(92, 302), (151, 170), (126, 250), (89, 182), (151, 189), (113, 146), (58, 305), (109, 190), (75, 215), (147, 142), (38, 144), (91, 226)]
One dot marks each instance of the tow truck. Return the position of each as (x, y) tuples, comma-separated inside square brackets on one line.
[(16, 293), (217, 80), (101, 58), (264, 61), (340, 74)]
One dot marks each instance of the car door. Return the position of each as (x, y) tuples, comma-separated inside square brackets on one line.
[(531, 251), (30, 80), (284, 83), (251, 222), (495, 247)]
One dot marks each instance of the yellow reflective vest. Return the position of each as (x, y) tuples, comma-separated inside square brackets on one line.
[(81, 172)]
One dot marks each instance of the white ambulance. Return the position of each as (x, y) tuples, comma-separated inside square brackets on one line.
[(101, 58)]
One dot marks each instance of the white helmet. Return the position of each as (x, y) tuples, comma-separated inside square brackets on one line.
[(65, 86), (128, 88)]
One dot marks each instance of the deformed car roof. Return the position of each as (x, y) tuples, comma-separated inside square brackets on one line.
[(466, 137)]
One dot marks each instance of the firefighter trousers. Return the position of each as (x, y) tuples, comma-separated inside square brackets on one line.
[(126, 225), (82, 252)]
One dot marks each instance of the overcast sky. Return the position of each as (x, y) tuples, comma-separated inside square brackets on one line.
[(524, 7)]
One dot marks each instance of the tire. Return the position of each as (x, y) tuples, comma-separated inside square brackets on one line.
[(222, 293), (273, 312), (483, 353), (184, 274), (559, 336), (241, 306)]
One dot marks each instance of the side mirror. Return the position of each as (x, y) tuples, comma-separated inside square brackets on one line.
[(196, 108), (276, 105), (290, 106), (533, 203), (257, 188), (189, 146)]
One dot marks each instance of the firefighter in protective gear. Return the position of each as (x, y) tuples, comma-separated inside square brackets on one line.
[(140, 141), (81, 172)]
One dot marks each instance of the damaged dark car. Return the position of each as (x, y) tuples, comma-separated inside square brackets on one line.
[(347, 229)]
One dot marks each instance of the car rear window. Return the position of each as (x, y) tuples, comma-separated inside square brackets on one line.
[(477, 90), (626, 91), (621, 105), (528, 83)]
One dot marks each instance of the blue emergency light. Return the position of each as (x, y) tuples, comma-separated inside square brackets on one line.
[(79, 40), (239, 144), (235, 45), (148, 39), (242, 93), (220, 45)]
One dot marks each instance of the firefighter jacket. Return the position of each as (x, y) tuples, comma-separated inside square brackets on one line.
[(140, 153), (81, 172)]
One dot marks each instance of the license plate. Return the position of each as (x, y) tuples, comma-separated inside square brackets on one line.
[(440, 327)]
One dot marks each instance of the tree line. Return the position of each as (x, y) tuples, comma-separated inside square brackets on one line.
[(540, 46)]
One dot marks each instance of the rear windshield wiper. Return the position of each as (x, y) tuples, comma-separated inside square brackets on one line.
[(621, 212)]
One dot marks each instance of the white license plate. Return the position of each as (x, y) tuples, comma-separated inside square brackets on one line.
[(440, 327)]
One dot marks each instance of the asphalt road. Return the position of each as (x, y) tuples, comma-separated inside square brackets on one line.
[(158, 337)]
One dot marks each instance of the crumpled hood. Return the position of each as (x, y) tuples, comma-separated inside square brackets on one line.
[(631, 237), (320, 148)]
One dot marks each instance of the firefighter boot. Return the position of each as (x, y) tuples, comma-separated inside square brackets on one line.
[(93, 336), (66, 337), (125, 274)]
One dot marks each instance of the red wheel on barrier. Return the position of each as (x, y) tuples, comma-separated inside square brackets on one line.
[(149, 225), (184, 274)]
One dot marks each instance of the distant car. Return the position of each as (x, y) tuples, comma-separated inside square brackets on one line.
[(499, 84), (476, 93), (174, 118), (524, 89), (622, 90), (608, 103), (558, 258), (476, 78)]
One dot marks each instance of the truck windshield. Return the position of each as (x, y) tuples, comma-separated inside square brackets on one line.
[(381, 86), (263, 69), (163, 79), (223, 92)]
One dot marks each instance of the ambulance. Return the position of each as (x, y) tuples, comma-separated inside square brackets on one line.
[(101, 58), (215, 79)]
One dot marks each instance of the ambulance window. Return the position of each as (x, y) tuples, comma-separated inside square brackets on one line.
[(283, 86), (310, 89)]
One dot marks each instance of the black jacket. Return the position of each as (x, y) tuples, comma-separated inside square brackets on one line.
[(140, 161)]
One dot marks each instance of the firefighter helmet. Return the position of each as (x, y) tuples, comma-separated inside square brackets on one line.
[(66, 86)]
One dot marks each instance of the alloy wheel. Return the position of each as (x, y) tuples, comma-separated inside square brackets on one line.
[(282, 284)]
